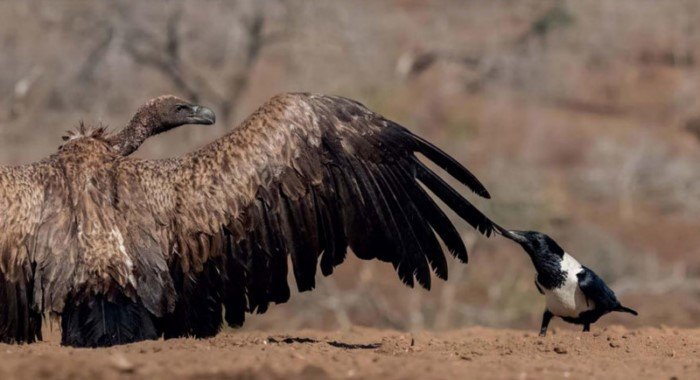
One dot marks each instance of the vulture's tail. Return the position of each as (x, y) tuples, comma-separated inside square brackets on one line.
[(103, 321)]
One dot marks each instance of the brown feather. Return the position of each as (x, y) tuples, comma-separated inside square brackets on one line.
[(308, 158), (61, 230), (301, 180)]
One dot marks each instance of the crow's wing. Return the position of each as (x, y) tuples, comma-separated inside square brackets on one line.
[(595, 290)]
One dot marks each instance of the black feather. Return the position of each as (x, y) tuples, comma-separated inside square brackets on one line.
[(624, 309), (19, 321), (410, 260), (365, 232), (235, 301), (391, 246), (99, 320), (429, 244), (304, 259), (454, 200), (438, 221), (198, 311), (280, 291), (449, 164), (339, 240)]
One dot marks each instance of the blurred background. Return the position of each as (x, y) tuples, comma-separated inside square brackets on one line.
[(581, 117)]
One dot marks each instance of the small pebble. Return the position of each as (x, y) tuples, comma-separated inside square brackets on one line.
[(122, 364)]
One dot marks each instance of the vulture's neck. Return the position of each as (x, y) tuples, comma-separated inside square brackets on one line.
[(129, 139)]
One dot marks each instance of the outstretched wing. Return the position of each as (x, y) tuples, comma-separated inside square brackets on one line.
[(305, 176), (595, 289), (30, 230)]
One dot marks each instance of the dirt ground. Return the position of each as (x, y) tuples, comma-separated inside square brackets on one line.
[(362, 353)]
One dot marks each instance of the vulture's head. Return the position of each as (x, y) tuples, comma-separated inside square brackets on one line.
[(168, 112), (156, 116)]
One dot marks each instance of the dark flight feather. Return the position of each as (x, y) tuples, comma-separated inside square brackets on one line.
[(336, 176), (172, 242), (451, 166), (454, 200)]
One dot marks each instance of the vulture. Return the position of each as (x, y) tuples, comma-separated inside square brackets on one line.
[(125, 249), (19, 319)]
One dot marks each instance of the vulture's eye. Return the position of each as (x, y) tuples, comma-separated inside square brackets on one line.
[(181, 107)]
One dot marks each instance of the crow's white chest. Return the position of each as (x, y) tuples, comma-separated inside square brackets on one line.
[(567, 300)]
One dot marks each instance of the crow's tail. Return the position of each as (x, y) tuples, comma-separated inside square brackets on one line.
[(624, 309)]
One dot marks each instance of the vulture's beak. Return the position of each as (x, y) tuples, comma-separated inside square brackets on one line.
[(202, 115)]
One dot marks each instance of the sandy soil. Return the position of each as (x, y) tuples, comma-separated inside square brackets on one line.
[(612, 353)]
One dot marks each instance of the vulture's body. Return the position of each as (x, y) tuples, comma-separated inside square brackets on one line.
[(126, 249)]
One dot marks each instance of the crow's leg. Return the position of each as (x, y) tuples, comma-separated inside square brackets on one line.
[(586, 327), (546, 318)]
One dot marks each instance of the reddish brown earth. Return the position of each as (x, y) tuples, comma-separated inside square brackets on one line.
[(362, 353)]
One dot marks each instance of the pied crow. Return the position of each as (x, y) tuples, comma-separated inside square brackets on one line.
[(573, 292)]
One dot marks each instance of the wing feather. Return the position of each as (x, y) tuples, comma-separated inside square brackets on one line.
[(595, 290), (34, 232), (301, 180)]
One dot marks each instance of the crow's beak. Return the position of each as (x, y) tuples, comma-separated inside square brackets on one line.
[(202, 115), (516, 236)]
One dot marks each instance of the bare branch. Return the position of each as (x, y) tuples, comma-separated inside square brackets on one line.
[(166, 57), (87, 70)]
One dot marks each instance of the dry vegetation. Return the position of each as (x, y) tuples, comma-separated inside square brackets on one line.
[(580, 117)]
